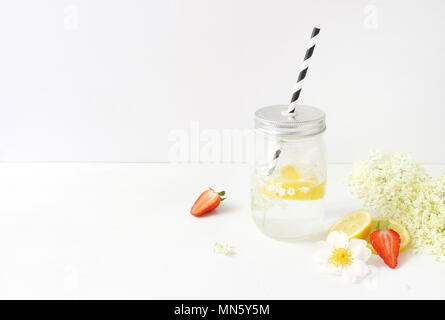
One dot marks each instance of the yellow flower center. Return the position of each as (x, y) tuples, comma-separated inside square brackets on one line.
[(341, 257)]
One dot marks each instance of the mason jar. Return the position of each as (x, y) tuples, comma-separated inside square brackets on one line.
[(289, 176)]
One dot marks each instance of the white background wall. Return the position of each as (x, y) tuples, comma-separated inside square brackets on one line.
[(107, 80)]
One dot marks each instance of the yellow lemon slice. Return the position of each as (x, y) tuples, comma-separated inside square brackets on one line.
[(356, 224), (290, 185), (289, 172), (397, 227)]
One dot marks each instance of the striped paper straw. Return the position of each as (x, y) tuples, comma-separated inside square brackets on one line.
[(303, 70), (297, 91), (273, 164)]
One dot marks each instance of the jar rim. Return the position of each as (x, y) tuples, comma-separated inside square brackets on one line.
[(307, 121)]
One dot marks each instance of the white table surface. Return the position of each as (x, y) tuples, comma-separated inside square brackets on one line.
[(90, 231)]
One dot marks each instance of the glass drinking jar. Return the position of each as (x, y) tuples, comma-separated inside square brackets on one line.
[(289, 178)]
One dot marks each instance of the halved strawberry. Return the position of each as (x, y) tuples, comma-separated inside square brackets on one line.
[(207, 201), (387, 244)]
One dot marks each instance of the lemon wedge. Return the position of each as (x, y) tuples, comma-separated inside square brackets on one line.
[(356, 224), (289, 172), (394, 225)]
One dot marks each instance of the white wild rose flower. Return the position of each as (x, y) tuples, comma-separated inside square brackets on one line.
[(340, 256)]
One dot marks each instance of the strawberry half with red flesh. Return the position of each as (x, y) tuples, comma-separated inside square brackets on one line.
[(207, 201), (387, 244)]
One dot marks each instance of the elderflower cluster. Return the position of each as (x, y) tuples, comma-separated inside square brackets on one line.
[(398, 187), (224, 249)]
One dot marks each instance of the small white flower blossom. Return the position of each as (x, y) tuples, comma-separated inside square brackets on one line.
[(305, 189), (222, 249), (341, 256), (291, 191), (281, 191)]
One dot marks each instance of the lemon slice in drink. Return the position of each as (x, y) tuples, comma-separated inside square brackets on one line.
[(289, 185), (289, 172), (356, 224), (394, 225)]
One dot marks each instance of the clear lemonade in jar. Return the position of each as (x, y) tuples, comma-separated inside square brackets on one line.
[(289, 179)]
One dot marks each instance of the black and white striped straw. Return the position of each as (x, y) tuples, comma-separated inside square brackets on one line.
[(303, 70), (296, 94), (274, 162)]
